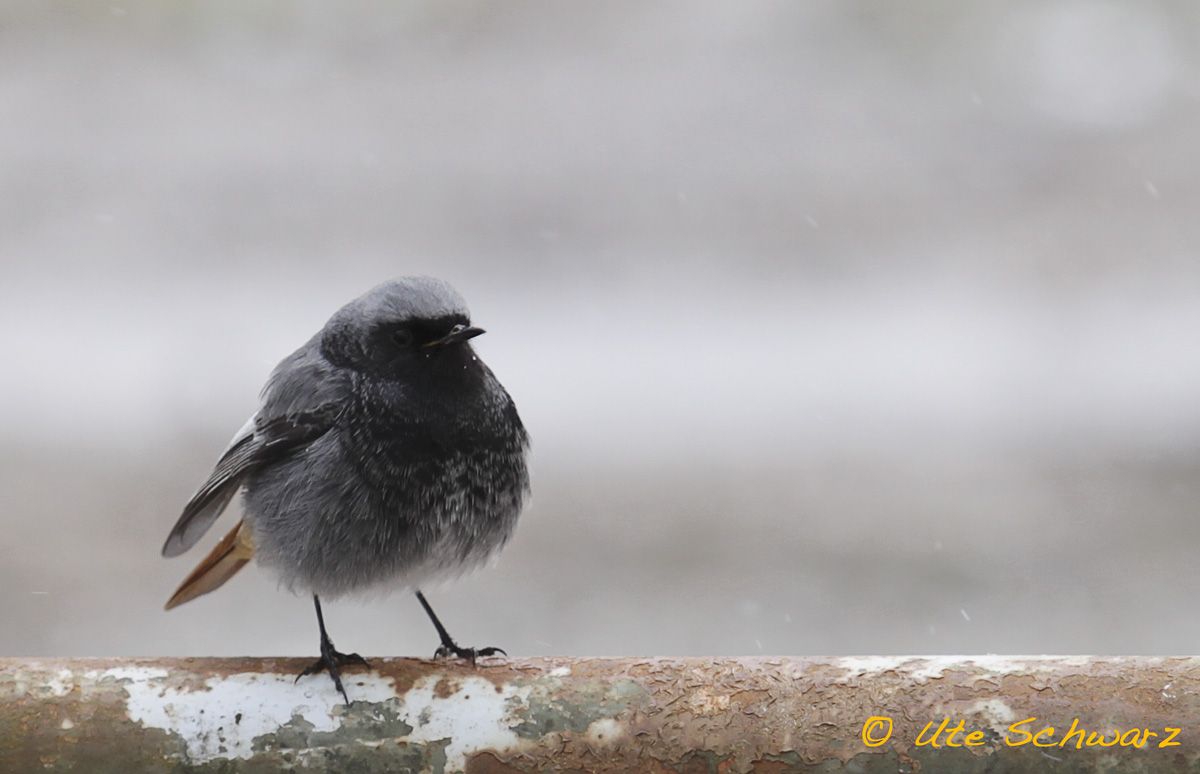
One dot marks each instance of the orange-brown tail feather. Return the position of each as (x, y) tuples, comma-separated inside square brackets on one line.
[(230, 555)]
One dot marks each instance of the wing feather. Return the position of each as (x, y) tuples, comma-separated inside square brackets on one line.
[(213, 497), (301, 402)]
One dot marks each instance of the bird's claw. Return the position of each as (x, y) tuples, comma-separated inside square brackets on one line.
[(448, 649), (332, 661)]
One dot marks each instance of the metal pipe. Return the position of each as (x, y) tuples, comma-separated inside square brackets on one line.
[(618, 715)]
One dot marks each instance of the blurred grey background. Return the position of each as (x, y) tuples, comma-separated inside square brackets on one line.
[(839, 327)]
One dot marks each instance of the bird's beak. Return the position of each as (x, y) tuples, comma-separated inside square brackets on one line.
[(459, 334)]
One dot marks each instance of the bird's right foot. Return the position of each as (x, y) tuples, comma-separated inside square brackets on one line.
[(332, 661), (451, 648)]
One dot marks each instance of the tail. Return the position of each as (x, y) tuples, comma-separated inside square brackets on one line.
[(230, 555)]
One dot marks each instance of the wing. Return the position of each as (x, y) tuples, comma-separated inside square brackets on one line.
[(302, 400)]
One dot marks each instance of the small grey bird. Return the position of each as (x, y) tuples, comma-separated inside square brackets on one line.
[(383, 453)]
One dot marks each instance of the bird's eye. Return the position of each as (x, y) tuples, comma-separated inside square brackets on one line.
[(402, 337)]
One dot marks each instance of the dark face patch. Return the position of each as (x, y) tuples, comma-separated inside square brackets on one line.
[(409, 334), (395, 350)]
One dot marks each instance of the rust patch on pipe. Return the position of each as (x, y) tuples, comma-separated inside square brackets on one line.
[(488, 763)]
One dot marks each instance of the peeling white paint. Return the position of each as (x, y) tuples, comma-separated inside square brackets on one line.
[(996, 712), (133, 673), (207, 719), (61, 684), (933, 667), (603, 732), (866, 665), (474, 717), (991, 665), (561, 671)]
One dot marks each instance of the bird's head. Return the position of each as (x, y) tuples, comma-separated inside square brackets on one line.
[(402, 329)]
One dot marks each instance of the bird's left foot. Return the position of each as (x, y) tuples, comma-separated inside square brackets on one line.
[(332, 661), (451, 648)]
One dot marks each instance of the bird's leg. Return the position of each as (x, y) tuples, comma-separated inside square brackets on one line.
[(449, 646), (331, 661)]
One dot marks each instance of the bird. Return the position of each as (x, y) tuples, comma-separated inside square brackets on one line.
[(383, 454)]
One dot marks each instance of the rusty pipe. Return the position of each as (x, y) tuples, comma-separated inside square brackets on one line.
[(593, 715)]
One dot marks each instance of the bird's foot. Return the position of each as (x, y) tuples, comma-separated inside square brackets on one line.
[(332, 661), (451, 648)]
